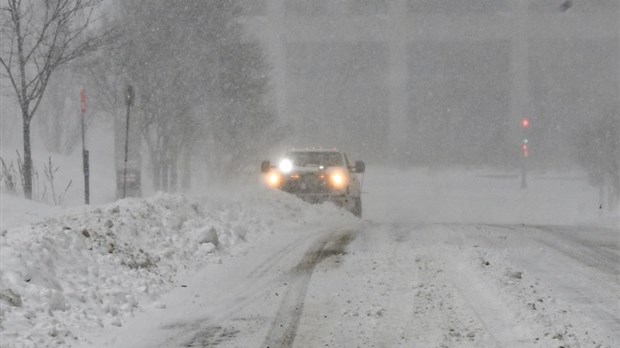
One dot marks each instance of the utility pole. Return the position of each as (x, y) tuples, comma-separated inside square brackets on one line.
[(85, 165), (129, 97)]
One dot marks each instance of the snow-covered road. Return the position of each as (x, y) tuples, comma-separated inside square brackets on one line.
[(442, 259), (461, 285), (379, 285)]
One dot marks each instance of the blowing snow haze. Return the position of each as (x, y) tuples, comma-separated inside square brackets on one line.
[(442, 82), (406, 82), (482, 142)]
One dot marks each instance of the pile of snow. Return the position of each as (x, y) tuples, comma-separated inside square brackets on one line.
[(92, 268)]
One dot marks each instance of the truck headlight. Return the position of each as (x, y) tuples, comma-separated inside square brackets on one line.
[(273, 179), (285, 166), (338, 180)]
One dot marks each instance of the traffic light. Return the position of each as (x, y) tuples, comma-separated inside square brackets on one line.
[(524, 150), (525, 125)]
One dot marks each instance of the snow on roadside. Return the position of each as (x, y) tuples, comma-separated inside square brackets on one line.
[(558, 322), (89, 269)]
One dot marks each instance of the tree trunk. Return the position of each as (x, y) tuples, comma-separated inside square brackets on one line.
[(616, 193), (165, 167), (156, 173), (612, 195), (186, 174), (601, 196), (27, 169), (57, 131), (174, 174)]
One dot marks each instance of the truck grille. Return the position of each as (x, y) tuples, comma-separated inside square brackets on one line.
[(306, 183)]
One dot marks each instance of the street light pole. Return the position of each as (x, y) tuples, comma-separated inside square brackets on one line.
[(129, 97)]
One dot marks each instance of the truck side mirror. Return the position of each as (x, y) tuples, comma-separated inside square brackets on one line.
[(265, 166), (360, 167)]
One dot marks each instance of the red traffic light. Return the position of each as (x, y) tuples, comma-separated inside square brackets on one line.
[(525, 150), (525, 123)]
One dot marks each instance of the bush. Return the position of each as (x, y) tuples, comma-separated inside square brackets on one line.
[(11, 180)]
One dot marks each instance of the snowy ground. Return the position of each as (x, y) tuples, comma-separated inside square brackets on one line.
[(441, 259)]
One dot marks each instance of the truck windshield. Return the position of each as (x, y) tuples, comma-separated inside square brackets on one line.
[(310, 159)]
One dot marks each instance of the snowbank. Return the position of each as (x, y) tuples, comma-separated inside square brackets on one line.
[(92, 268)]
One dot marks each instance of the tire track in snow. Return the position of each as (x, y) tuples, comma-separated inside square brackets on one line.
[(472, 312), (267, 265), (284, 327), (224, 327), (602, 257)]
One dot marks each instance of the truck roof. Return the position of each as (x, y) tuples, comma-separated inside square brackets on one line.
[(313, 149)]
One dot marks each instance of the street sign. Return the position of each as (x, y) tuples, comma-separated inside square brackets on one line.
[(83, 100)]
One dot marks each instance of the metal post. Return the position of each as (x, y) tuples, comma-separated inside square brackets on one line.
[(523, 173), (520, 94), (129, 102), (85, 157)]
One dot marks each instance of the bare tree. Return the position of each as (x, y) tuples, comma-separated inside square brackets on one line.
[(38, 36), (598, 152), (205, 91), (59, 123)]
